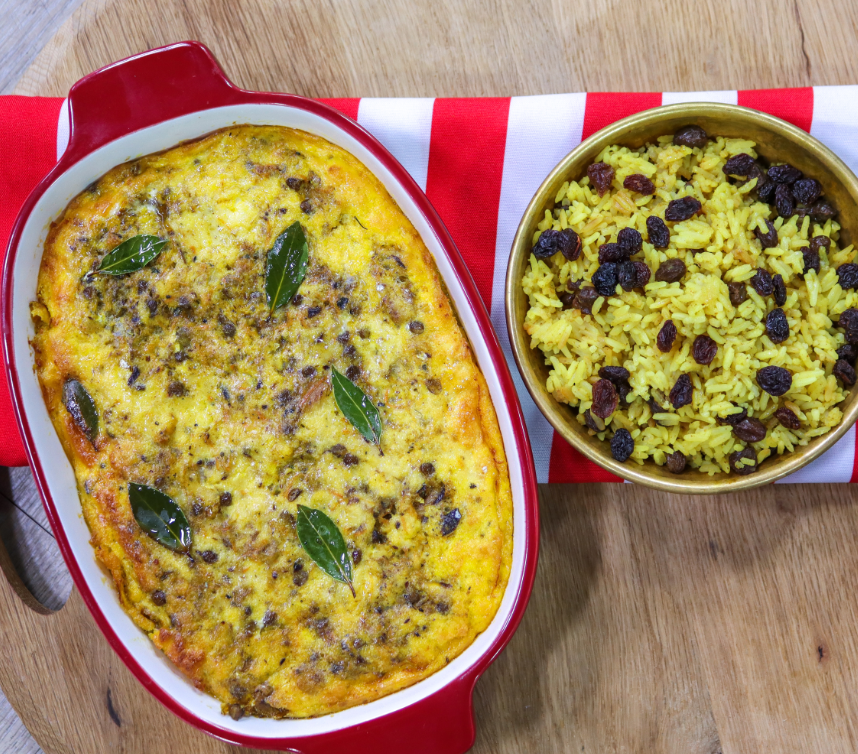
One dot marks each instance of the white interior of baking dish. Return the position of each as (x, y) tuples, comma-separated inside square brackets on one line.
[(60, 477)]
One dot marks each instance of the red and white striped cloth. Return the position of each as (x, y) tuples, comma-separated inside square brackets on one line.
[(480, 161)]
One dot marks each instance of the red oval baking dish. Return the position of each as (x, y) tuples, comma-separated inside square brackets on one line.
[(153, 101)]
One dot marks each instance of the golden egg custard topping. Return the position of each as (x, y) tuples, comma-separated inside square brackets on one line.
[(178, 378)]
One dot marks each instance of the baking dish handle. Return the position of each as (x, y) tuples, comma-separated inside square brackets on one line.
[(440, 724), (142, 90)]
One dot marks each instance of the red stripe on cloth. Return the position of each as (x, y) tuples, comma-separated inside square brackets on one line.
[(28, 133), (348, 106), (792, 105), (463, 181), (854, 477), (568, 465), (604, 108)]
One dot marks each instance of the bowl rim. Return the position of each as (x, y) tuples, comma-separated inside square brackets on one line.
[(519, 341), (145, 75)]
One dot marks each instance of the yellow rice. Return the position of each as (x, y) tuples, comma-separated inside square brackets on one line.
[(623, 328)]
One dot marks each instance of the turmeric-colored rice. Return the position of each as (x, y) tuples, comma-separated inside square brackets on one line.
[(622, 329)]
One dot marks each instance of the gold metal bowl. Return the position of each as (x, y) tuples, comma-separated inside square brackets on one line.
[(777, 141)]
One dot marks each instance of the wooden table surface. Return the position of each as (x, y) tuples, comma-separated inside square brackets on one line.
[(659, 623)]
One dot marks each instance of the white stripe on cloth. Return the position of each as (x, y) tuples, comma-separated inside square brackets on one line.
[(676, 98), (833, 466), (63, 129), (541, 130), (404, 126)]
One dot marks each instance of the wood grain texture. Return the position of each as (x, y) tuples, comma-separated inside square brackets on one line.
[(658, 623)]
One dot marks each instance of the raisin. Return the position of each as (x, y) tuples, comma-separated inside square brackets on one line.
[(546, 245), (342, 302), (734, 419), (269, 618), (567, 299), (847, 352), (630, 240), (820, 242), (642, 274), (806, 190), (762, 282), (585, 299), (627, 276), (640, 184), (774, 380), (704, 349), (777, 327), (847, 276), (294, 494), (780, 290), (787, 418), (614, 374), (655, 407), (159, 597), (691, 136), (740, 164), (766, 190), (623, 390), (591, 422), (353, 372), (313, 311), (605, 279), (822, 210), (612, 252), (573, 285), (784, 203), (622, 445), (210, 556), (427, 469), (769, 239), (670, 271), (784, 174), (297, 299), (601, 175), (433, 385), (657, 232), (676, 462), (666, 336), (682, 209), (416, 327), (811, 260), (844, 372), (450, 521), (743, 455), (550, 242), (849, 322), (681, 392), (750, 430), (357, 556), (738, 293), (569, 244), (604, 399), (350, 460), (225, 498)]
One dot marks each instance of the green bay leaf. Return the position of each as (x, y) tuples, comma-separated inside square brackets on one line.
[(81, 406), (131, 255), (160, 517), (286, 266), (323, 542), (356, 407)]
